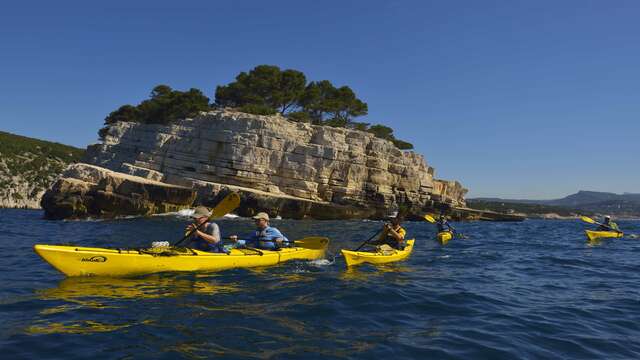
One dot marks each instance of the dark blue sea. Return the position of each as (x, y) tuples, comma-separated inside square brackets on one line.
[(530, 290)]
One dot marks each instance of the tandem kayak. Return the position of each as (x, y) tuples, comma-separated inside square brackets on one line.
[(358, 257), (87, 261), (592, 235), (444, 237)]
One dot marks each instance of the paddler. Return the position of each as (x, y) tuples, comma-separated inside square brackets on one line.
[(392, 233), (264, 237), (443, 224), (207, 234), (608, 225)]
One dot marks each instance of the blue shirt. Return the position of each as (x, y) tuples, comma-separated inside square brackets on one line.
[(264, 239)]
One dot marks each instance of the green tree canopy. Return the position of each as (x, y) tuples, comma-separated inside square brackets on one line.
[(264, 86), (323, 101), (164, 106), (265, 90)]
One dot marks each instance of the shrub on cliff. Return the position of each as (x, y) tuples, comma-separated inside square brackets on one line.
[(385, 132), (164, 106)]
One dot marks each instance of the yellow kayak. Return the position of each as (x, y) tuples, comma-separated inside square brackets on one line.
[(353, 258), (444, 237), (86, 261), (592, 235)]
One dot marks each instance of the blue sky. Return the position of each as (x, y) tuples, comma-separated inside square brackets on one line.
[(518, 99)]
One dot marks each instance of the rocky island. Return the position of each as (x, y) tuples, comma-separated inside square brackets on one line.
[(287, 168), (289, 147)]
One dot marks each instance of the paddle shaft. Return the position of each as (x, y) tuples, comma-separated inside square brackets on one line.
[(369, 239), (190, 233)]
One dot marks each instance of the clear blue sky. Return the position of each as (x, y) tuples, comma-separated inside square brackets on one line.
[(520, 99)]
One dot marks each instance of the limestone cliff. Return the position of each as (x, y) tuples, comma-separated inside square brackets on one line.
[(288, 168)]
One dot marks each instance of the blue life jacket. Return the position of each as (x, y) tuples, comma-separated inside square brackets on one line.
[(265, 238)]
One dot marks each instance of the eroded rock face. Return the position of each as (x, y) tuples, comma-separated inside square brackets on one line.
[(89, 191), (291, 169)]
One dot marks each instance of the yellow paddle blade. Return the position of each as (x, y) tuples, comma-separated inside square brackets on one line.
[(587, 219), (429, 218), (227, 205)]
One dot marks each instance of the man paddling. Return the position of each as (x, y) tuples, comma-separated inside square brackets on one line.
[(265, 237), (206, 237), (608, 225), (443, 224), (392, 233)]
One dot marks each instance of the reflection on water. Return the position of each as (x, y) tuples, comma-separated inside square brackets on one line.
[(368, 272), (81, 327), (101, 293), (86, 290)]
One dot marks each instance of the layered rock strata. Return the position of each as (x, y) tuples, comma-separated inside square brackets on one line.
[(287, 168), (90, 191)]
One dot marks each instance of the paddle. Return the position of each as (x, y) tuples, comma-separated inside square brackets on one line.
[(226, 205), (591, 221), (366, 241), (430, 219)]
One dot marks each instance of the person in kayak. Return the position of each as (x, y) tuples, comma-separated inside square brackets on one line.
[(392, 233), (608, 225), (265, 237), (206, 237), (443, 224)]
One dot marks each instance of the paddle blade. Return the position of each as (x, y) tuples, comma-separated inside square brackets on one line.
[(226, 205), (587, 220), (429, 218)]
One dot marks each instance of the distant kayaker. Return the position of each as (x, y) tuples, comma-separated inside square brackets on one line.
[(265, 237), (443, 224), (608, 225), (207, 235), (392, 233)]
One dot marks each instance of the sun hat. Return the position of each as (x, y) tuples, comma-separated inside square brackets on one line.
[(201, 211), (262, 215)]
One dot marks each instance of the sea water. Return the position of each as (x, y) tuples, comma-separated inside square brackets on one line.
[(534, 289)]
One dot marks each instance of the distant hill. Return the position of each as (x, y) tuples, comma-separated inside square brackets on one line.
[(28, 166), (530, 210), (627, 204)]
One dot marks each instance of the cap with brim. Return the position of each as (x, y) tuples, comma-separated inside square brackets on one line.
[(392, 215), (201, 211), (262, 215)]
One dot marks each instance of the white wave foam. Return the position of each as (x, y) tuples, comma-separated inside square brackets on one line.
[(321, 262)]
